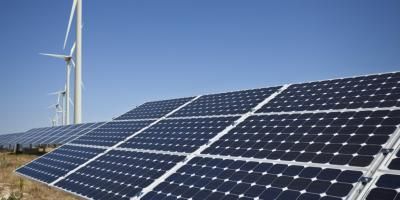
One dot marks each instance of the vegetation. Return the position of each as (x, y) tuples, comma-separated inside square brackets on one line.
[(13, 187)]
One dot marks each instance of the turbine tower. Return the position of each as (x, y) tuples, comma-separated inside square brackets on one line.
[(77, 6), (69, 60)]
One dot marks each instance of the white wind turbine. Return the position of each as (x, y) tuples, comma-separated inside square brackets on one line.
[(58, 108), (77, 5), (69, 61)]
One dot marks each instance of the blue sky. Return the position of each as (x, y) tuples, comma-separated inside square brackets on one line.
[(140, 50)]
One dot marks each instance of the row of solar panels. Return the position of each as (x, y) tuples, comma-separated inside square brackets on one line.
[(47, 136), (318, 140)]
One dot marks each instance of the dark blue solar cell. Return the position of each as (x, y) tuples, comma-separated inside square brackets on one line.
[(111, 133), (58, 163), (395, 162), (351, 93), (243, 184), (226, 103), (155, 109), (179, 135), (119, 174), (331, 138)]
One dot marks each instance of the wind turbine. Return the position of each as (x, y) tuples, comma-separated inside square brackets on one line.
[(57, 106), (77, 6), (69, 60)]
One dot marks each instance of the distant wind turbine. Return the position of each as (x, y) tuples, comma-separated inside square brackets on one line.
[(58, 108), (69, 61)]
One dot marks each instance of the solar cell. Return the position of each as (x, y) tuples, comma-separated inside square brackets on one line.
[(77, 133), (57, 163), (155, 109), (386, 188), (395, 162), (360, 92), (179, 135), (341, 138), (111, 133), (118, 174), (211, 178), (228, 103)]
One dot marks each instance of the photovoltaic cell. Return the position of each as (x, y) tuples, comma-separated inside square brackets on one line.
[(118, 174), (77, 133), (179, 135), (373, 91), (395, 162), (386, 188), (111, 133), (207, 178), (155, 109), (341, 138), (59, 162), (229, 103)]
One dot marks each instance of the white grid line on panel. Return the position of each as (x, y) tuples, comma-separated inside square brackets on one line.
[(134, 120), (33, 135), (368, 187), (329, 111), (205, 116), (121, 142), (41, 136), (88, 146), (69, 131), (203, 147), (305, 164), (29, 132), (92, 127), (57, 135), (377, 163), (152, 151)]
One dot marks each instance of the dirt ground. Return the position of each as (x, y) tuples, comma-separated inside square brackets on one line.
[(13, 187)]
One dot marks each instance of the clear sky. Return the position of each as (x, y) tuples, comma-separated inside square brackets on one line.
[(141, 50)]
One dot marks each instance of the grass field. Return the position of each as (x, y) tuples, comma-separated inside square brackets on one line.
[(13, 187)]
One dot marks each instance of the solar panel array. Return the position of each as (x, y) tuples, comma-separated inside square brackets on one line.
[(48, 136), (6, 138), (319, 140)]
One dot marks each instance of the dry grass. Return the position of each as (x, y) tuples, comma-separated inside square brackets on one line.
[(12, 185)]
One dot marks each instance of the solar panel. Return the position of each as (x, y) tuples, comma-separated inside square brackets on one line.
[(387, 187), (320, 140), (374, 91), (82, 130), (341, 138), (118, 174), (228, 103), (208, 178), (155, 109), (57, 163), (6, 139), (53, 135), (179, 135), (395, 162), (111, 133)]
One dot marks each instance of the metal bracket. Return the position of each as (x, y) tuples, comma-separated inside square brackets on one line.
[(364, 180), (386, 151)]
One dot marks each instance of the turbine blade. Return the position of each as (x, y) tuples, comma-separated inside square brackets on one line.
[(72, 49), (71, 17), (73, 62), (54, 55)]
